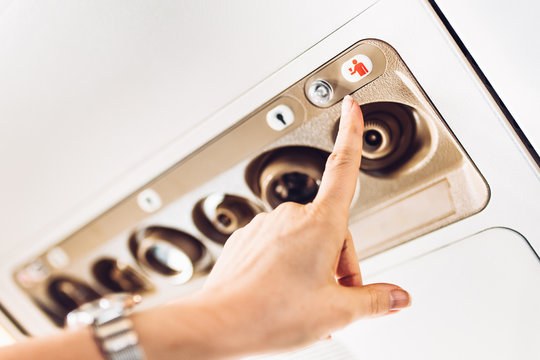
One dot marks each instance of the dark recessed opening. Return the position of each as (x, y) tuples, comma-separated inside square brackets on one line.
[(119, 277), (287, 174)]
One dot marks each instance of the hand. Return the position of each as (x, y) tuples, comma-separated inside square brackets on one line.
[(286, 279), (291, 276)]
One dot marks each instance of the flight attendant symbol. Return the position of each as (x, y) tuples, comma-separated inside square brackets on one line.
[(359, 68), (356, 68)]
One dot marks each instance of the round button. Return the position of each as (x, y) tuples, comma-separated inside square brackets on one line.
[(149, 200), (280, 117), (356, 68), (57, 257), (320, 93)]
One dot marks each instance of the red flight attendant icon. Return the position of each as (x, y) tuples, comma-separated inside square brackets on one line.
[(359, 68)]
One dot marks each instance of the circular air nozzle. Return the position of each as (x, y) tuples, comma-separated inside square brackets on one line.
[(381, 137), (388, 134), (389, 131), (169, 252), (219, 215), (70, 293), (119, 277), (287, 174)]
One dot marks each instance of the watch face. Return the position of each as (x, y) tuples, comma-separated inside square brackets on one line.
[(102, 310)]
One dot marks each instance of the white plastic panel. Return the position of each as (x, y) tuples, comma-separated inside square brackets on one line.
[(91, 89), (503, 39), (5, 337), (474, 299)]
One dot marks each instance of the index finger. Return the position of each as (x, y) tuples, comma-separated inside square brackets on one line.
[(341, 173)]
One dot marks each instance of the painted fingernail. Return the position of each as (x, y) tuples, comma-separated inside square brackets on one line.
[(399, 299), (347, 103)]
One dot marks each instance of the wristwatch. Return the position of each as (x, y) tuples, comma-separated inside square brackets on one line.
[(113, 329)]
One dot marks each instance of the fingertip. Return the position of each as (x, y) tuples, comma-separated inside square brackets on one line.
[(352, 119), (347, 103), (355, 111), (379, 299)]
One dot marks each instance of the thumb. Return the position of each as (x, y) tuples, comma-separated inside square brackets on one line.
[(376, 299)]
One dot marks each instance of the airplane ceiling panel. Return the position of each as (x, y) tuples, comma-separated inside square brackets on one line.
[(89, 90)]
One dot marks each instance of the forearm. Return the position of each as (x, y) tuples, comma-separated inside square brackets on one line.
[(188, 329), (68, 345), (193, 328)]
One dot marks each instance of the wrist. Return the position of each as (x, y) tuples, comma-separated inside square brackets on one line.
[(196, 327)]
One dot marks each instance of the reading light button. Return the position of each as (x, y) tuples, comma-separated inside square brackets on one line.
[(149, 200), (280, 117)]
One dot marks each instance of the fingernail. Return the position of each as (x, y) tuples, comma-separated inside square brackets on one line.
[(399, 299), (347, 103)]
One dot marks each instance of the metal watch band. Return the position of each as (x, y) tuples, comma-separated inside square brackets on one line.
[(130, 353), (117, 339)]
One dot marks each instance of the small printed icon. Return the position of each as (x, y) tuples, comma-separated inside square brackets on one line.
[(356, 68), (149, 200), (33, 273), (280, 117), (57, 257)]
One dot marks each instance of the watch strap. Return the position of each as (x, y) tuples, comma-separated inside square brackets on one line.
[(117, 339)]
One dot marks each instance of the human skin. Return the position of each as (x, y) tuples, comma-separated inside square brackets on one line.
[(287, 279)]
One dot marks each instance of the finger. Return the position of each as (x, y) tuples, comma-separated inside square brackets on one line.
[(339, 179), (348, 271), (375, 299)]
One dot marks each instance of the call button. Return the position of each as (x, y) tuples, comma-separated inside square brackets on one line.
[(356, 68)]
